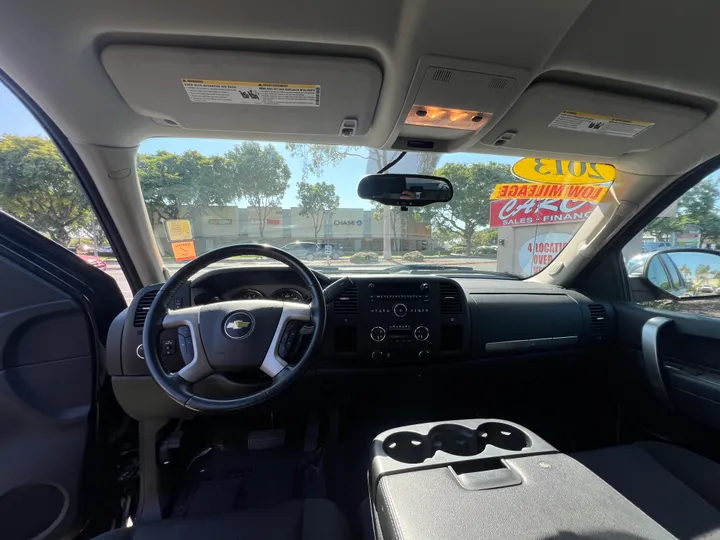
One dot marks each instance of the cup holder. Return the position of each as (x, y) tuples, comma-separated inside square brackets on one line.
[(456, 440), (503, 436), (408, 447)]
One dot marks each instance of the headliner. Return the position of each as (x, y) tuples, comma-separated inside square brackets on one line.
[(653, 48)]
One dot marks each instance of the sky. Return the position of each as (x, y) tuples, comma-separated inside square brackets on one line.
[(15, 119)]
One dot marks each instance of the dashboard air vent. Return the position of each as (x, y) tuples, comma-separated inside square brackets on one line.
[(347, 302), (598, 320), (142, 308), (450, 302)]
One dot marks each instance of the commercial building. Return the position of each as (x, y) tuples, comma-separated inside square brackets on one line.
[(355, 229)]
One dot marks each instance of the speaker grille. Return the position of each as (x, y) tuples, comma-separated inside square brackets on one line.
[(442, 75), (498, 83), (29, 511)]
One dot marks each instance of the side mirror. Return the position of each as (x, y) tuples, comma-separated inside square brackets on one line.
[(682, 273), (405, 189)]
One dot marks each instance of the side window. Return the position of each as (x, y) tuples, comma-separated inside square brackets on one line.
[(38, 188), (674, 263)]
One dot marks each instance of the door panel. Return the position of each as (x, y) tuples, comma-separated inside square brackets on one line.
[(47, 378), (684, 383)]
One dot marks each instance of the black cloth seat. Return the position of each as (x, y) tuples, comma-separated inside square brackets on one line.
[(311, 519), (677, 488)]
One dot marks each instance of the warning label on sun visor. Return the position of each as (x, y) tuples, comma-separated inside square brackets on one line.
[(602, 125), (252, 93)]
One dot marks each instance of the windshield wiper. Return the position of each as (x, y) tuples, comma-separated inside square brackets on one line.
[(427, 267)]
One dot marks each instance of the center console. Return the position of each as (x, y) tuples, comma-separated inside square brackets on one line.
[(401, 319), (491, 479)]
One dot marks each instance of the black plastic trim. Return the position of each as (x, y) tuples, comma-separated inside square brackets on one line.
[(76, 164)]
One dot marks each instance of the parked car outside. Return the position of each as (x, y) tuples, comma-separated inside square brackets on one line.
[(336, 250), (97, 262), (306, 251)]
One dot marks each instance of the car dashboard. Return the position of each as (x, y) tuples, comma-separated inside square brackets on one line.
[(383, 323)]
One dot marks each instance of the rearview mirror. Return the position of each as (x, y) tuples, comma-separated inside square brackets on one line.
[(405, 189), (684, 273)]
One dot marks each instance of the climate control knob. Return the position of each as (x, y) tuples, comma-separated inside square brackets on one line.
[(377, 333), (423, 355), (400, 310), (421, 333), (378, 355)]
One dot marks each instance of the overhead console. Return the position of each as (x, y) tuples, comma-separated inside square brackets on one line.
[(452, 102), (200, 89)]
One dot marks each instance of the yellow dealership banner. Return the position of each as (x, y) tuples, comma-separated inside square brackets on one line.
[(562, 171), (549, 191)]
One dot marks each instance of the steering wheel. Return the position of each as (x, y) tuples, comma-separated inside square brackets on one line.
[(235, 336)]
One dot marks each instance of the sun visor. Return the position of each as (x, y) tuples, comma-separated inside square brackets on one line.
[(555, 118), (246, 91)]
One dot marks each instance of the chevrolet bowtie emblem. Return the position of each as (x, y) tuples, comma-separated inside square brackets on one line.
[(237, 325)]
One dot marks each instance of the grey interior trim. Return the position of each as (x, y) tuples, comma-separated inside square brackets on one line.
[(653, 365), (199, 367), (273, 363)]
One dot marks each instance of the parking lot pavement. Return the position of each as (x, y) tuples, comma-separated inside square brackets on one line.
[(113, 269)]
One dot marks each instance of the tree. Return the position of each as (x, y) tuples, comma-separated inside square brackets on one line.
[(38, 187), (685, 269), (486, 237), (702, 272), (317, 200), (263, 176), (470, 207), (316, 157), (698, 207), (178, 185), (394, 217), (661, 228), (94, 231)]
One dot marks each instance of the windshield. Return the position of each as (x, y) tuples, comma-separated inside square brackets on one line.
[(203, 194)]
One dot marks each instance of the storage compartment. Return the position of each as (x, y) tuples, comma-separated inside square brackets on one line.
[(541, 323), (447, 443), (493, 480)]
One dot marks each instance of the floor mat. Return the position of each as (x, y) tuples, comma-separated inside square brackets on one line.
[(220, 481)]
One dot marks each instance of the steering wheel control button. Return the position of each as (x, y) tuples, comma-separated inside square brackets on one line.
[(185, 344), (168, 347), (239, 325), (287, 340), (400, 310), (422, 333), (378, 334)]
